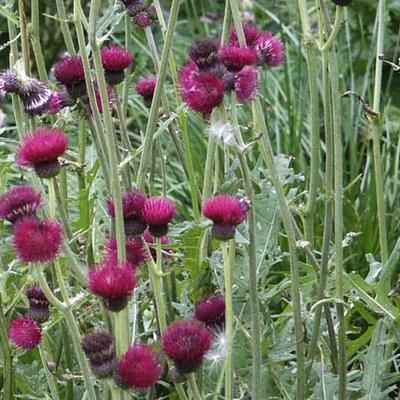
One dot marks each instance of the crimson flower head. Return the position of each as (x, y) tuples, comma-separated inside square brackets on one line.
[(25, 333), (41, 149), (149, 238), (246, 83), (211, 312), (158, 212), (115, 60), (135, 252), (20, 201), (146, 87), (70, 72), (38, 241), (100, 350), (235, 57), (202, 92), (139, 368), (226, 213), (186, 343), (132, 210), (204, 53), (113, 283), (270, 50), (38, 304), (58, 101), (251, 34)]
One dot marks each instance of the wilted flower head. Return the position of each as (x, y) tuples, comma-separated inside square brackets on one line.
[(270, 50), (158, 212), (135, 6), (10, 82), (186, 343), (139, 368), (41, 149), (251, 33), (114, 284), (25, 333), (37, 241), (70, 72), (115, 60), (35, 96), (204, 53), (135, 252), (246, 84), (202, 92), (235, 57), (100, 350), (211, 311), (38, 304), (226, 213), (146, 87), (20, 201), (164, 240), (132, 210)]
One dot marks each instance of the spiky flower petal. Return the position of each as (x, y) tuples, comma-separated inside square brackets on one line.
[(246, 84), (186, 343), (270, 50), (70, 72), (114, 284), (41, 149), (20, 201), (135, 252), (204, 53), (25, 333), (235, 57), (146, 87), (251, 33), (37, 241), (211, 311), (158, 212), (139, 368), (115, 60)]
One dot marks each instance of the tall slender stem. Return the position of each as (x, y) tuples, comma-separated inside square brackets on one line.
[(7, 357), (49, 376), (375, 128), (35, 38), (338, 184), (193, 387), (254, 304), (64, 27), (151, 125), (228, 256)]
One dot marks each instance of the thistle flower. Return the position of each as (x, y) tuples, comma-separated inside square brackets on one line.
[(246, 84), (100, 350), (25, 333), (115, 60), (35, 96), (58, 101), (10, 82), (70, 72), (251, 34), (114, 284), (110, 97), (186, 343), (139, 368), (132, 210), (146, 87), (164, 240), (142, 19), (201, 92), (20, 201), (226, 213), (41, 150), (135, 6), (270, 50), (204, 53), (37, 241), (135, 252), (211, 312), (158, 212), (235, 57), (38, 304)]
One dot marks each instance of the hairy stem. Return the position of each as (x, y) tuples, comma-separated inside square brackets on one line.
[(8, 383)]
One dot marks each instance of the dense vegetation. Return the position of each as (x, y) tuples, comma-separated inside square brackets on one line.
[(286, 287)]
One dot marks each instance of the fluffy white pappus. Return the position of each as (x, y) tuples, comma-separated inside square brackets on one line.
[(217, 355), (223, 132)]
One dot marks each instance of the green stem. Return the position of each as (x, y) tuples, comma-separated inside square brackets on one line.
[(253, 293), (228, 255), (35, 39), (24, 36), (50, 377), (7, 357), (152, 122), (193, 387), (376, 135), (338, 220), (64, 27)]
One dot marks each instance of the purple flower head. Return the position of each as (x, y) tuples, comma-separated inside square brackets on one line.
[(235, 58), (20, 201), (35, 96), (186, 343), (211, 312), (158, 212), (25, 333), (115, 61), (135, 252), (246, 83), (146, 87), (251, 33), (70, 72), (38, 304), (270, 50), (58, 101), (204, 53)]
